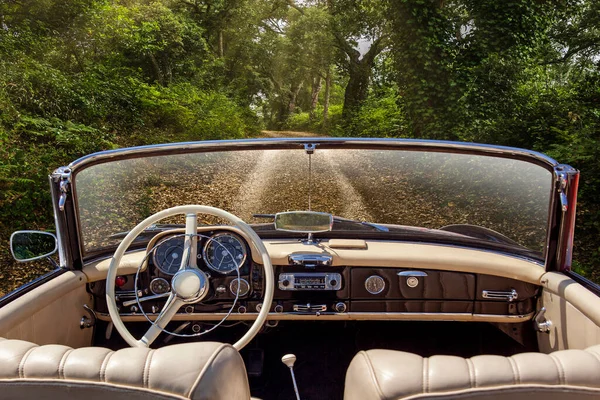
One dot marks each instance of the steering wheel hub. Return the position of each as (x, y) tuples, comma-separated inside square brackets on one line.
[(190, 285)]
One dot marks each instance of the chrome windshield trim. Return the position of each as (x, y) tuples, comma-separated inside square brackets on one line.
[(278, 143)]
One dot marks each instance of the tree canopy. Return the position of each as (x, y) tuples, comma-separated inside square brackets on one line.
[(87, 75)]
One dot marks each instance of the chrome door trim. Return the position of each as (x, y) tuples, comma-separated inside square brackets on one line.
[(332, 316)]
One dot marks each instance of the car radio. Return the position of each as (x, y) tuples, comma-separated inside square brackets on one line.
[(310, 281)]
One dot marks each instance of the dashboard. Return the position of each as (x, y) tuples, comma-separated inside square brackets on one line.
[(316, 285)]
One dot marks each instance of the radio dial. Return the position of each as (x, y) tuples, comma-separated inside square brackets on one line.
[(285, 282), (333, 282)]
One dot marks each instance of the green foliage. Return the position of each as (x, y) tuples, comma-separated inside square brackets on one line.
[(87, 75), (380, 116), (302, 121)]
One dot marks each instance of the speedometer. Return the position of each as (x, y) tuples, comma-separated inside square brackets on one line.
[(224, 252), (168, 253)]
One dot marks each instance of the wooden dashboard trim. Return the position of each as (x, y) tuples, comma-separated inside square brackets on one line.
[(349, 316)]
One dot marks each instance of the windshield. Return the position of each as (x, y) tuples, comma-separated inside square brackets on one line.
[(410, 188)]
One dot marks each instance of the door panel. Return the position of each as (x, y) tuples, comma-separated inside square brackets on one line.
[(50, 313), (574, 312)]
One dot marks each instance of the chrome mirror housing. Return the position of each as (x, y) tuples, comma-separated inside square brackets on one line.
[(303, 221), (32, 245)]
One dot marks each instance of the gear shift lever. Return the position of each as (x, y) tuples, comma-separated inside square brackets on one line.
[(289, 360)]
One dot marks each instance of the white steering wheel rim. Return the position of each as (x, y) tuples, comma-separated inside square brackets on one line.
[(188, 209)]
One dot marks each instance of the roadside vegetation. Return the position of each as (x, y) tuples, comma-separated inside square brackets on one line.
[(88, 75)]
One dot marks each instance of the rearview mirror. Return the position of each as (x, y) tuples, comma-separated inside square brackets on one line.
[(32, 245), (303, 221)]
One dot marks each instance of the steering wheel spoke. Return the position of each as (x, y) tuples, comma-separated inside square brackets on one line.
[(190, 247), (170, 308)]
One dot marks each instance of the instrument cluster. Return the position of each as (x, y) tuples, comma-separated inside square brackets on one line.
[(222, 252), (219, 253)]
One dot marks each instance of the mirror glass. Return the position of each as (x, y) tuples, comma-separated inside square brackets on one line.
[(32, 245), (303, 221)]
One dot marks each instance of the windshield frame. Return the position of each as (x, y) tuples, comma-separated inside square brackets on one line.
[(530, 156)]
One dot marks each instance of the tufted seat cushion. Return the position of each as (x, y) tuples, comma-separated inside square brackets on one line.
[(387, 374), (206, 370)]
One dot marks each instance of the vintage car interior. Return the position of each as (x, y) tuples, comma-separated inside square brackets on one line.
[(183, 274)]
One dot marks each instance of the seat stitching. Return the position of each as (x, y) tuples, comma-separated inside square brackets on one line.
[(595, 354), (472, 376), (425, 375), (61, 364), (104, 366), (206, 367), (21, 368), (373, 374), (515, 368), (146, 378), (561, 376)]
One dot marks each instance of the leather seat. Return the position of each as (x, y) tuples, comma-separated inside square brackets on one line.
[(387, 374), (205, 370)]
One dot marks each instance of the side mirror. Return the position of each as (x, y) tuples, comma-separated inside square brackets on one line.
[(32, 245), (303, 221)]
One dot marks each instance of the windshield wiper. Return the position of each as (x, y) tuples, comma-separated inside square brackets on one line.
[(379, 227)]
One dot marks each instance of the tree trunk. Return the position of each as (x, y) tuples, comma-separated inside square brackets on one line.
[(221, 51), (293, 96), (157, 72), (359, 75), (316, 89), (357, 89), (326, 100)]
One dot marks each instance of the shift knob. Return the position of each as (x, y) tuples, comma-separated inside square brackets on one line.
[(289, 360)]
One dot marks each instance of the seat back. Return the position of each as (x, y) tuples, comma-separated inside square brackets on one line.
[(386, 374), (186, 371)]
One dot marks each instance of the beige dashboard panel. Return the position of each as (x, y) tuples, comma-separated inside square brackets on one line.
[(97, 270), (414, 256), (574, 312), (372, 254)]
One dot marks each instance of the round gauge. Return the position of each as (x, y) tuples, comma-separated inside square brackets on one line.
[(168, 253), (159, 286), (243, 284), (224, 252), (374, 284)]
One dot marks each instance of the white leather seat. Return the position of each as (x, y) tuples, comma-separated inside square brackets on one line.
[(387, 374), (186, 371)]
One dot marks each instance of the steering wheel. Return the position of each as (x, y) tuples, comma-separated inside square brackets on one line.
[(189, 284)]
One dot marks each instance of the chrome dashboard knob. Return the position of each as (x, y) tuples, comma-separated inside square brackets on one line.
[(340, 307), (242, 309), (278, 308)]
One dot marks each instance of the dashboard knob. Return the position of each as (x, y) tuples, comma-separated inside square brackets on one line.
[(258, 307), (242, 309), (278, 308), (221, 289), (285, 282), (134, 309), (333, 282), (340, 307), (189, 309)]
